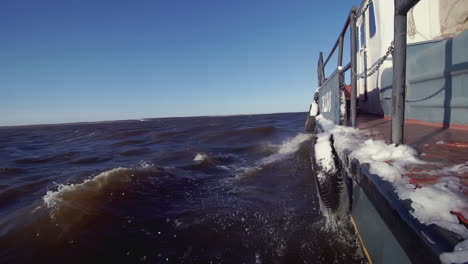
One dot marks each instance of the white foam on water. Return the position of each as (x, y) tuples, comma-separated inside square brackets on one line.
[(339, 228), (291, 145), (284, 150), (145, 164), (258, 260), (200, 157)]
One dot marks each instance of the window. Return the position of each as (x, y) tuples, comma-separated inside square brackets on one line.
[(372, 28)]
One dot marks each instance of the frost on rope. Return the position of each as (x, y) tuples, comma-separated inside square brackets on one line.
[(432, 204)]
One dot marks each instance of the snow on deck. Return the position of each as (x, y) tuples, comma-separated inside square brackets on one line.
[(431, 170)]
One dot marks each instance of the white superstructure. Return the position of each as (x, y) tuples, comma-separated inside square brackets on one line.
[(428, 20)]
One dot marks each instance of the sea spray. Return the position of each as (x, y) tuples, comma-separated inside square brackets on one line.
[(283, 151), (200, 157)]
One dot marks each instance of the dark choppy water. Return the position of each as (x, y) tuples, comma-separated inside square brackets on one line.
[(179, 190)]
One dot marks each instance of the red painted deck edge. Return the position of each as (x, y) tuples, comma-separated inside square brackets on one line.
[(419, 122), (460, 216)]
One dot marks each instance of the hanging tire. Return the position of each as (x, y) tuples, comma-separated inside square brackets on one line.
[(329, 185)]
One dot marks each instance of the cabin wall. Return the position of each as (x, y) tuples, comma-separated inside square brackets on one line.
[(437, 77), (375, 47), (437, 74), (424, 21)]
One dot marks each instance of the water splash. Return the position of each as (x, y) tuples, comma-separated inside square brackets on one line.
[(284, 150)]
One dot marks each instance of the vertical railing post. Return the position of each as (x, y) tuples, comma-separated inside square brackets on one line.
[(399, 69), (353, 45), (399, 79), (341, 80), (320, 70), (340, 51)]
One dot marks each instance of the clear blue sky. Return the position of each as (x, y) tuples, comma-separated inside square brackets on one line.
[(89, 60)]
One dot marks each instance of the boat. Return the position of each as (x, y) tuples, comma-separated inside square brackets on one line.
[(391, 129)]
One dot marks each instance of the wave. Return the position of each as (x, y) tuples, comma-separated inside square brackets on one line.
[(128, 142), (36, 160), (211, 163), (69, 206), (263, 129), (80, 137), (202, 161), (159, 136), (65, 156), (91, 160), (130, 133), (253, 133), (75, 196), (261, 148), (135, 152), (250, 131), (70, 202), (11, 170), (283, 151), (165, 135)]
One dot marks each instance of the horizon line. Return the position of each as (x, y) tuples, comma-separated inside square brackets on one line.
[(140, 119)]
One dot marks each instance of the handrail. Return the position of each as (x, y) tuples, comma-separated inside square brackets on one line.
[(340, 70), (399, 69), (346, 67), (338, 43)]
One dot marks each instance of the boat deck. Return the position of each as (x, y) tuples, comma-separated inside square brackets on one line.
[(443, 148)]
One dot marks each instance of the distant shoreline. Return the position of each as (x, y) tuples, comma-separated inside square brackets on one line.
[(138, 119)]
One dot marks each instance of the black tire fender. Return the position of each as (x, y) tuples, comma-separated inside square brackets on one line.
[(329, 185)]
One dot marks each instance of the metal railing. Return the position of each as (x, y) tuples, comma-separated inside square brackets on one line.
[(399, 63), (339, 43), (340, 68), (399, 68)]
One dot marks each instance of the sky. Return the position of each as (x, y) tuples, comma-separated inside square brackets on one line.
[(90, 60)]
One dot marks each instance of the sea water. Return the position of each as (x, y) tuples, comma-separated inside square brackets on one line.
[(235, 189)]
